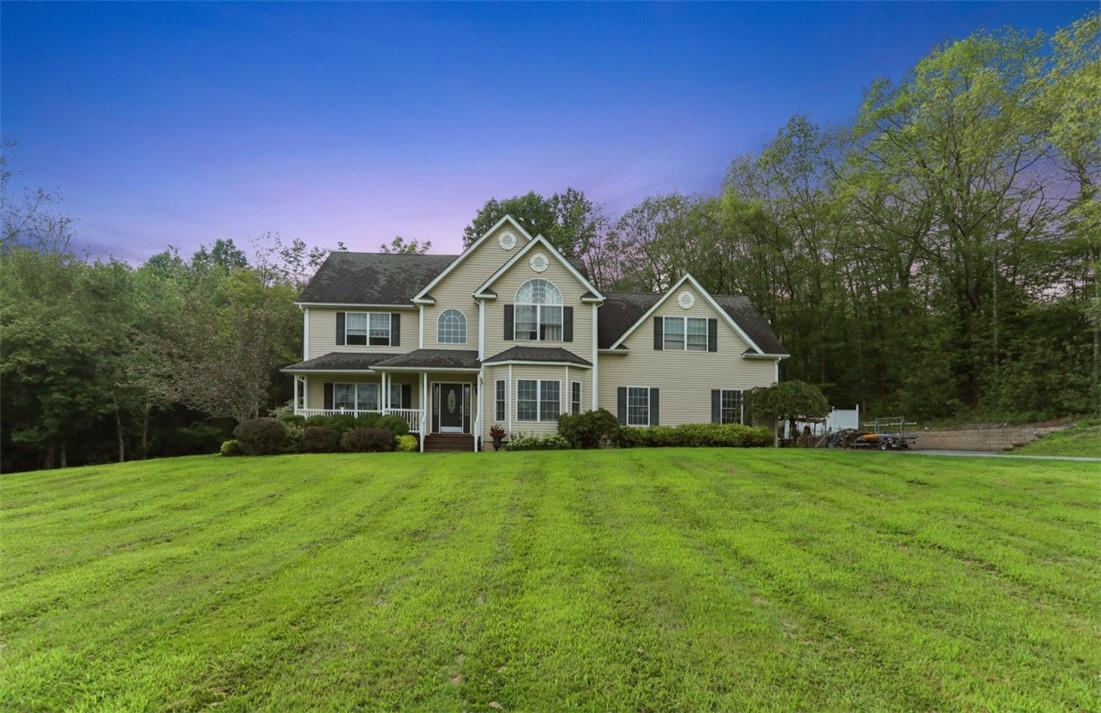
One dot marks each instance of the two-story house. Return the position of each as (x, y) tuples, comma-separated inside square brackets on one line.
[(512, 332)]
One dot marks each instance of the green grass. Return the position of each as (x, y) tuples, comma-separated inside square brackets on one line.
[(656, 580), (1081, 439)]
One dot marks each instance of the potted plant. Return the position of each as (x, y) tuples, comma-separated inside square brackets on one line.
[(497, 433)]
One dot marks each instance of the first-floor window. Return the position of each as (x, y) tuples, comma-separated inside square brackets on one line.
[(731, 402), (638, 406), (575, 398), (301, 403), (538, 400), (355, 396), (550, 398), (527, 400), (395, 396), (499, 394)]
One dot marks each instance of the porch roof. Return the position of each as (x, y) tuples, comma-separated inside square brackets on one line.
[(542, 355), (442, 359), (338, 361)]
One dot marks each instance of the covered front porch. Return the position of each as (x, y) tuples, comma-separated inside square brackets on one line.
[(436, 394)]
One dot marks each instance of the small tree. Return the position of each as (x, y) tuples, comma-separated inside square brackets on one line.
[(790, 400)]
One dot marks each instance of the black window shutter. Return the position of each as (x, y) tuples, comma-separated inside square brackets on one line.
[(654, 420), (716, 406), (395, 329), (712, 335), (328, 394), (567, 324), (658, 337), (406, 396), (339, 331), (621, 404), (508, 323)]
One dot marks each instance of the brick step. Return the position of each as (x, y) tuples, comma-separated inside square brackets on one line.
[(438, 442)]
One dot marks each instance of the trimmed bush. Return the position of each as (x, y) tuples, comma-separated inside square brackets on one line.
[(407, 444), (367, 420), (261, 436), (293, 442), (591, 429), (230, 448), (367, 440), (695, 435), (320, 439), (550, 442), (392, 423), (340, 423)]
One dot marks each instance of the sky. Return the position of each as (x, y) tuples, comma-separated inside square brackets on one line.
[(178, 124)]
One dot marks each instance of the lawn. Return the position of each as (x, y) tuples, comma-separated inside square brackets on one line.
[(1081, 439), (656, 580)]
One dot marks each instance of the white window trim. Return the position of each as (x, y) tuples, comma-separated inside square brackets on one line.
[(503, 401), (561, 305), (389, 330), (741, 405), (627, 416), (355, 390), (684, 334), (439, 322), (539, 401)]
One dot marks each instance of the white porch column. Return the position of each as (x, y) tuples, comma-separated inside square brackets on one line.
[(477, 399), (295, 377), (508, 400), (384, 397), (424, 409)]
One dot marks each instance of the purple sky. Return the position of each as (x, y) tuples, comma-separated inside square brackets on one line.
[(182, 123)]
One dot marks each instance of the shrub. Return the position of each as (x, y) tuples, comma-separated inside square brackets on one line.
[(261, 436), (550, 442), (407, 444), (230, 448), (497, 431), (367, 420), (293, 442), (392, 423), (341, 423), (320, 439), (367, 440), (590, 429), (698, 435)]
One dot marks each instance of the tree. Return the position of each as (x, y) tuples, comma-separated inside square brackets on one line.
[(568, 220), (401, 246), (788, 400)]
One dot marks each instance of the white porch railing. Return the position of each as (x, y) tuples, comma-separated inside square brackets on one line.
[(412, 416)]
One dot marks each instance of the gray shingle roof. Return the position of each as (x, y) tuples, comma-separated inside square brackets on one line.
[(622, 309), (338, 361), (372, 278), (434, 359), (524, 353)]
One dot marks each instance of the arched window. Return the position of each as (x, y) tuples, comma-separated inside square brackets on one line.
[(451, 328), (538, 314)]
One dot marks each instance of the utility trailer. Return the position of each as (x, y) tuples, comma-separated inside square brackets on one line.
[(885, 434)]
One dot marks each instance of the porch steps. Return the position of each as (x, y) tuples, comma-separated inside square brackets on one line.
[(448, 442)]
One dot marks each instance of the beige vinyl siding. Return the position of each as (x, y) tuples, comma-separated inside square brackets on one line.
[(322, 333), (539, 373), (506, 287), (456, 290), (685, 379), (315, 385)]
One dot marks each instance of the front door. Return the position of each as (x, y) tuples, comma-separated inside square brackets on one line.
[(451, 408)]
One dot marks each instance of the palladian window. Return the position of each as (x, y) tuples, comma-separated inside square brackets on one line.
[(451, 328), (538, 312)]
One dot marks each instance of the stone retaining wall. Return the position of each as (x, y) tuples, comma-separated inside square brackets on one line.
[(980, 439)]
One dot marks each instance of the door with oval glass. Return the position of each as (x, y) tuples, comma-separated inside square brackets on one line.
[(451, 408)]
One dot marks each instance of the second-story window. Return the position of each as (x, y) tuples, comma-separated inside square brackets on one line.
[(362, 328), (451, 328), (538, 312)]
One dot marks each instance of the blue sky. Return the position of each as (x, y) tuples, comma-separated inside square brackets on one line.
[(182, 123)]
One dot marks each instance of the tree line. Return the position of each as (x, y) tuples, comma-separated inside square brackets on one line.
[(937, 256)]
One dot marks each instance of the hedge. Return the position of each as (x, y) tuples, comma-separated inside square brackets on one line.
[(367, 440), (261, 436), (695, 435)]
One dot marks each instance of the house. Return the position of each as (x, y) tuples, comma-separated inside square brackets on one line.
[(512, 332)]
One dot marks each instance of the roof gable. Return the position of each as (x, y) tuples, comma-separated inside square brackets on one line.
[(423, 294), (485, 291), (737, 310)]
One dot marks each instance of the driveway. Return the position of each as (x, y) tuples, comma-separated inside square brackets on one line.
[(989, 454)]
